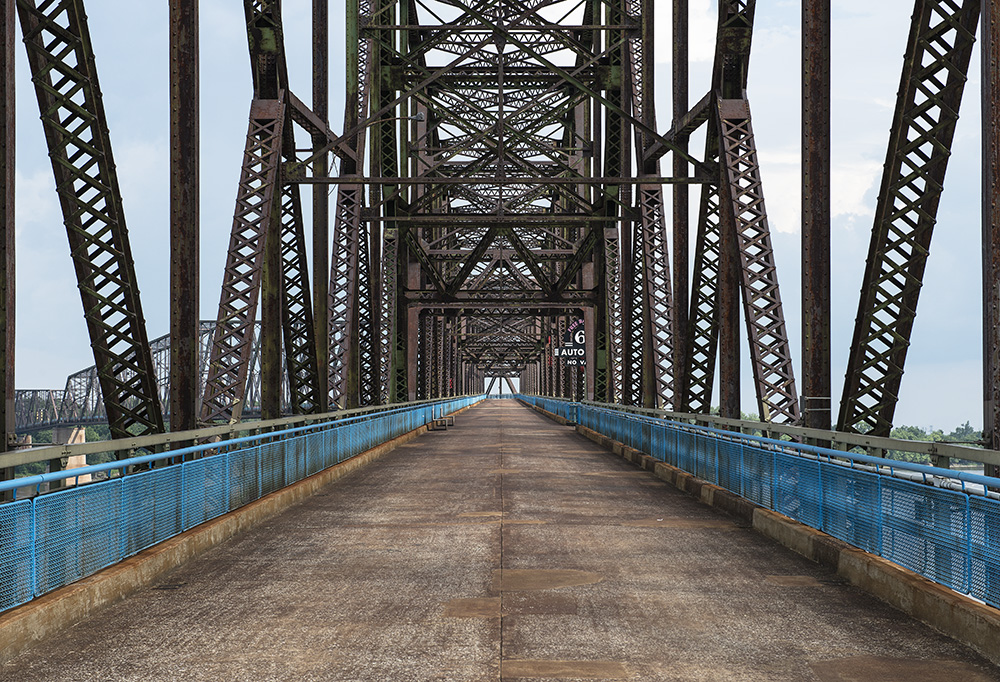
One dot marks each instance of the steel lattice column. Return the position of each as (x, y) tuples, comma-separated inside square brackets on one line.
[(256, 219), (771, 357), (61, 59), (935, 69), (703, 327), (350, 238)]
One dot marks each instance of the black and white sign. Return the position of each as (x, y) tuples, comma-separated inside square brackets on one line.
[(574, 346)]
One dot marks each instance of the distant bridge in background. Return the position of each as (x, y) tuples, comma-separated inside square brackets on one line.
[(80, 402)]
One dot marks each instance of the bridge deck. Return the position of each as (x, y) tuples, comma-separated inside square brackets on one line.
[(508, 547)]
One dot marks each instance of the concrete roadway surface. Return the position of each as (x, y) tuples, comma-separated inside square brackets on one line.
[(506, 548)]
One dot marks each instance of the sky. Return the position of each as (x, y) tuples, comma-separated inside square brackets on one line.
[(942, 384)]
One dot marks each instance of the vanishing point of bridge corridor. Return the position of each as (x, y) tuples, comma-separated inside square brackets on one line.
[(505, 547)]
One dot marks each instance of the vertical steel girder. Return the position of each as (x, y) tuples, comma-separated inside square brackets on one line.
[(680, 201), (321, 200), (62, 65), (351, 327), (935, 69), (816, 213), (703, 326), (990, 69), (737, 206), (185, 195), (611, 332), (274, 273), (296, 309), (770, 354), (657, 301), (393, 360), (7, 230), (226, 385), (654, 285), (344, 282), (632, 360)]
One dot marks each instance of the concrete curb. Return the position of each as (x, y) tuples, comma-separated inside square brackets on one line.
[(945, 610), (42, 617)]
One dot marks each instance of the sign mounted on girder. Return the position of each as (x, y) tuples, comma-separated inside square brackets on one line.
[(574, 346)]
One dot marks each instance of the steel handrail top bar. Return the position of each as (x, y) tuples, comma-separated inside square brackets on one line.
[(826, 453), (949, 450), (38, 479), (822, 453), (43, 454)]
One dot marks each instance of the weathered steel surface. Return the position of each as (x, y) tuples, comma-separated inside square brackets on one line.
[(321, 200), (63, 69), (7, 229), (226, 386), (185, 180), (935, 68), (991, 226), (816, 147), (743, 201)]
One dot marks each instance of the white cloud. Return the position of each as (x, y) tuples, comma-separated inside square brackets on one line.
[(851, 183)]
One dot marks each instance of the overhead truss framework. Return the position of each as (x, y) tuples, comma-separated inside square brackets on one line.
[(487, 187), (498, 185)]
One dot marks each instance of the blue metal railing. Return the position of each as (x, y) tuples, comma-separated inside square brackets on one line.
[(55, 539), (939, 523)]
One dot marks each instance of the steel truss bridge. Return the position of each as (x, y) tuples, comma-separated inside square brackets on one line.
[(500, 174)]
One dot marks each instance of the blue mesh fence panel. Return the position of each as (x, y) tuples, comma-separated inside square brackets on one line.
[(16, 583), (984, 528), (685, 450), (205, 494), (658, 442), (151, 502), (76, 533), (295, 459), (757, 475), (729, 465), (313, 445), (332, 449), (244, 483), (797, 488), (924, 529), (272, 464), (705, 458), (851, 510)]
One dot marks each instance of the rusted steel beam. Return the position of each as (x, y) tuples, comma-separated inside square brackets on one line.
[(296, 306), (185, 264), (681, 197), (350, 234), (256, 207), (935, 69), (7, 229), (816, 366), (701, 349), (271, 308), (321, 199), (743, 203), (61, 58), (728, 313), (991, 227)]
